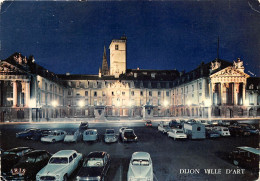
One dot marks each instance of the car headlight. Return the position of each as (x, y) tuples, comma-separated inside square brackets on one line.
[(149, 179), (135, 138), (77, 178), (98, 178)]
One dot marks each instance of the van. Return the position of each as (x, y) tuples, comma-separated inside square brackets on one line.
[(194, 130)]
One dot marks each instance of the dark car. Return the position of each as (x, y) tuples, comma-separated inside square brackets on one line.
[(28, 166), (249, 128), (28, 133), (83, 126), (128, 135), (211, 133), (41, 133), (238, 131), (175, 124), (148, 123), (94, 167), (247, 157), (10, 157)]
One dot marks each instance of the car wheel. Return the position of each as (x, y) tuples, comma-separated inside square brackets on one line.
[(235, 162), (53, 141), (65, 178)]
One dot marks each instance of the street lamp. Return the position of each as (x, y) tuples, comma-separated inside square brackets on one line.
[(54, 103), (188, 103), (165, 103), (81, 103)]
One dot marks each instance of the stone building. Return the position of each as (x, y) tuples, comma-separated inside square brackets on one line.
[(219, 88)]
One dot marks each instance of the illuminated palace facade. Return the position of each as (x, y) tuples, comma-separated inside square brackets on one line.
[(29, 92)]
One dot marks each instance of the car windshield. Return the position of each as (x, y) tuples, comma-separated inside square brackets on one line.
[(149, 122), (93, 162), (8, 152), (54, 133), (140, 162), (179, 132), (90, 133), (110, 131), (129, 133), (28, 159), (225, 129), (59, 160)]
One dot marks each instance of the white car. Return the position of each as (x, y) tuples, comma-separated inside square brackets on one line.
[(90, 135), (177, 134), (223, 131), (140, 167), (56, 135), (164, 128), (72, 137), (61, 165), (110, 136)]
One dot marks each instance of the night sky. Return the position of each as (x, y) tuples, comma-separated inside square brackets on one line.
[(70, 36)]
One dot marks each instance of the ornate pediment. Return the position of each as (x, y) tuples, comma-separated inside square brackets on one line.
[(7, 68), (229, 72), (119, 85)]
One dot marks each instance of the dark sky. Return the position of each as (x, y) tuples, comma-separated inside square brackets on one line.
[(70, 36)]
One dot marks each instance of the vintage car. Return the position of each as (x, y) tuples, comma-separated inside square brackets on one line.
[(177, 134), (54, 136), (247, 157), (60, 166), (73, 137), (223, 131), (41, 133), (29, 165), (95, 166), (249, 128), (128, 135), (110, 136), (238, 131), (211, 133), (148, 123), (164, 127), (10, 157), (83, 126), (175, 124), (90, 135), (28, 133), (140, 167)]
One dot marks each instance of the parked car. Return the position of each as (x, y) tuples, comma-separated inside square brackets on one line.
[(29, 165), (238, 131), (177, 134), (140, 167), (28, 133), (10, 157), (73, 137), (94, 167), (175, 124), (110, 136), (163, 127), (223, 123), (41, 133), (247, 157), (129, 135), (148, 123), (60, 166), (223, 131), (90, 135), (83, 126), (250, 128), (211, 133), (54, 136)]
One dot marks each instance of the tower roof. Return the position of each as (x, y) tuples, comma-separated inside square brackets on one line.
[(104, 70)]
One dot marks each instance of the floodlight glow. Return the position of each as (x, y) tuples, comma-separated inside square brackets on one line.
[(32, 103), (246, 102), (207, 102), (188, 103), (165, 103), (54, 103), (81, 103)]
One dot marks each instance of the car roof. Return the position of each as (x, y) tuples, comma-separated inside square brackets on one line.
[(141, 155), (128, 129), (57, 130), (18, 149), (110, 129), (35, 153), (250, 149), (64, 153), (96, 154), (90, 130)]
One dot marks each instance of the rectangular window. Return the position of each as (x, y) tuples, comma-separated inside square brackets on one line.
[(159, 93), (116, 47), (86, 93), (123, 93), (112, 93), (192, 87), (150, 93), (141, 93), (95, 94), (200, 85), (69, 92), (167, 93), (132, 93)]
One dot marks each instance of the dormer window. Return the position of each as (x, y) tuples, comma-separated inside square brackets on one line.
[(251, 86)]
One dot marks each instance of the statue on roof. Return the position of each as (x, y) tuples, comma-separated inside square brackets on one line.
[(238, 64), (215, 65)]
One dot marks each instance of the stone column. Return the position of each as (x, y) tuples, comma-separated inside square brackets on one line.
[(235, 92), (27, 93), (244, 94), (223, 94), (14, 93)]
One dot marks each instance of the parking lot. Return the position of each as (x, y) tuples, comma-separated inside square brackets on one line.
[(172, 160)]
